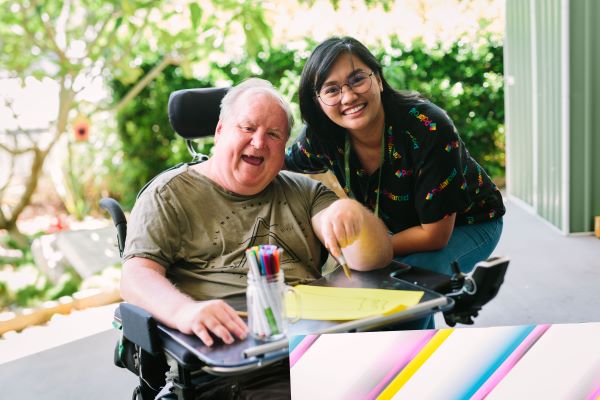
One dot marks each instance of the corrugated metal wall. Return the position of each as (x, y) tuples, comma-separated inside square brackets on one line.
[(585, 114), (547, 39), (552, 59), (518, 101)]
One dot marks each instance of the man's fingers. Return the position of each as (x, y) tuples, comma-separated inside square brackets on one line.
[(234, 323), (215, 326), (203, 334)]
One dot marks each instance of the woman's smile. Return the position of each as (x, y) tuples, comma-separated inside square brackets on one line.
[(354, 109)]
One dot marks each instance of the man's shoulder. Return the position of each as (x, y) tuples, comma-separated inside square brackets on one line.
[(170, 178), (295, 179)]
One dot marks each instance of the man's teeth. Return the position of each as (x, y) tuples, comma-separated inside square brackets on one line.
[(354, 109), (253, 159)]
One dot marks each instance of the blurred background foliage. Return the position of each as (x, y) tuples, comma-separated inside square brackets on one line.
[(464, 79), (112, 65)]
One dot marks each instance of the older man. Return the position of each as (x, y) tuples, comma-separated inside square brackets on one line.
[(189, 229)]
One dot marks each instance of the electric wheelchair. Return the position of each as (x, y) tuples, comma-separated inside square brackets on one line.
[(147, 348)]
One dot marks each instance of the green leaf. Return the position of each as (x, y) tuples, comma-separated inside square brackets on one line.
[(196, 15), (118, 22)]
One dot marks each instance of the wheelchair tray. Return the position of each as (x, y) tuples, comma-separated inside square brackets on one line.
[(221, 357)]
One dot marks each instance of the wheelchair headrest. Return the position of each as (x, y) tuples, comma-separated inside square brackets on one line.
[(194, 113)]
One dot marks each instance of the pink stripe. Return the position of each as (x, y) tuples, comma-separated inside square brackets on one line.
[(301, 348), (403, 355), (595, 395), (510, 362)]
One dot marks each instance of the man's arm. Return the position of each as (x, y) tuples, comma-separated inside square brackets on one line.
[(143, 283), (349, 228)]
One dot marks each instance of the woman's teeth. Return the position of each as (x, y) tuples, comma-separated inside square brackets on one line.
[(355, 109)]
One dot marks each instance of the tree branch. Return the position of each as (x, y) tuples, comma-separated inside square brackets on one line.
[(133, 42), (142, 83), (31, 34), (15, 151), (9, 104), (11, 172), (51, 36), (93, 43), (30, 185)]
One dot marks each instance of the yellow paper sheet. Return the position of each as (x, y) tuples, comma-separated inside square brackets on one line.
[(332, 303)]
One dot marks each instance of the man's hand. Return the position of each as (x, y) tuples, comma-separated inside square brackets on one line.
[(143, 283), (341, 224), (214, 316)]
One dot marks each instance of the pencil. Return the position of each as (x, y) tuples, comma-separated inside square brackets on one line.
[(342, 261)]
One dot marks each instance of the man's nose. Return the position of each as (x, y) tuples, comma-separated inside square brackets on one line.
[(258, 140)]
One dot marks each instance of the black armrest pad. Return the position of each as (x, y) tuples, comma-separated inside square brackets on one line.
[(139, 327)]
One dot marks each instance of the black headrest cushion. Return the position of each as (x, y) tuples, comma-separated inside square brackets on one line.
[(194, 113)]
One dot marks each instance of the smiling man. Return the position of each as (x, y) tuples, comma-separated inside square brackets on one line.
[(189, 229)]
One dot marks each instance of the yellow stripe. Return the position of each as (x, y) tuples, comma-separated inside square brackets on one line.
[(413, 366)]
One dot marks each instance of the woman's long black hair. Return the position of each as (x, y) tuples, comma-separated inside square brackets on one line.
[(318, 68)]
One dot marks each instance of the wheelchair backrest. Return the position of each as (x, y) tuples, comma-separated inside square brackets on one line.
[(194, 113)]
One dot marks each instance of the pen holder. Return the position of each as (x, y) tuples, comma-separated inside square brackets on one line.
[(267, 318)]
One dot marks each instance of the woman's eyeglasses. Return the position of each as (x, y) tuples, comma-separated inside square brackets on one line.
[(331, 95)]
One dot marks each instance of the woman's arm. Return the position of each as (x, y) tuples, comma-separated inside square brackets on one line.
[(426, 237), (348, 227)]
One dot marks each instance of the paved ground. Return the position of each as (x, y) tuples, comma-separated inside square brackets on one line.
[(551, 278)]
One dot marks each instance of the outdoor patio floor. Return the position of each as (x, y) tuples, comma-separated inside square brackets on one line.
[(551, 278)]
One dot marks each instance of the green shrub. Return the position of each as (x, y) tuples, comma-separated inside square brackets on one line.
[(464, 79), (148, 143)]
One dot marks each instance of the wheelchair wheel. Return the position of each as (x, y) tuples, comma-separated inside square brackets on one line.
[(138, 394)]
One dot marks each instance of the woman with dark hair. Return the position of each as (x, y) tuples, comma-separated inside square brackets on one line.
[(399, 155)]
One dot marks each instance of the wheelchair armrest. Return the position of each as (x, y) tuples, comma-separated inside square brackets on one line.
[(116, 212), (139, 327)]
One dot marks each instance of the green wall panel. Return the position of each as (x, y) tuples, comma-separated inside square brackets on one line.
[(549, 118), (584, 149), (518, 100), (553, 109)]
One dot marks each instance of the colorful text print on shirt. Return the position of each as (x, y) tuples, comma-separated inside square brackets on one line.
[(423, 118), (414, 140), (401, 173), (442, 185), (395, 197), (393, 154), (452, 145)]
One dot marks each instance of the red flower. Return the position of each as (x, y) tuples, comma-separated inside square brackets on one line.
[(81, 129)]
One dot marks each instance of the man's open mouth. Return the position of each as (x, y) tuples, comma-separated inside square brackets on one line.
[(252, 159)]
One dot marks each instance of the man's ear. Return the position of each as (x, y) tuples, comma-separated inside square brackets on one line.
[(218, 131)]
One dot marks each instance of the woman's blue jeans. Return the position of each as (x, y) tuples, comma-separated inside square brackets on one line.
[(468, 245)]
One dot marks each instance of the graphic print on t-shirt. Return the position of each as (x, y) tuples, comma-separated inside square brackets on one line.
[(262, 233)]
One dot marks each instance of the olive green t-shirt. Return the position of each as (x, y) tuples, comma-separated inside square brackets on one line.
[(199, 231)]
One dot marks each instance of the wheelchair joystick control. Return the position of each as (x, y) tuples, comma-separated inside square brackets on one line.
[(458, 278), (471, 291)]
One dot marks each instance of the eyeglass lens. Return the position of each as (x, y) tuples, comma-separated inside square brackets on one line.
[(359, 83)]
